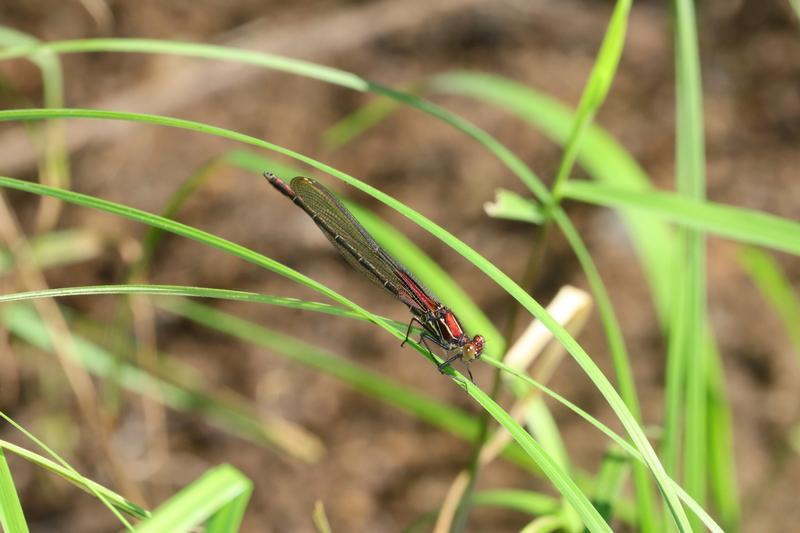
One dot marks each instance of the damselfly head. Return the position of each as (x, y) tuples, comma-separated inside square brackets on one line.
[(473, 349)]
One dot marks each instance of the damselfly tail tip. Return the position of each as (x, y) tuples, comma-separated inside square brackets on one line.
[(269, 175)]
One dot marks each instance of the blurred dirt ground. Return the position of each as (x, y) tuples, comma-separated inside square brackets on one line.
[(383, 468)]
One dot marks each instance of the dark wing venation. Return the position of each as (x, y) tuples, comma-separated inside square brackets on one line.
[(341, 222)]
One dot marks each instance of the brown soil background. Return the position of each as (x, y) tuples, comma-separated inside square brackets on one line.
[(383, 468)]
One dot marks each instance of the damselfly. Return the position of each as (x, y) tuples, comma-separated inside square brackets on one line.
[(439, 324)]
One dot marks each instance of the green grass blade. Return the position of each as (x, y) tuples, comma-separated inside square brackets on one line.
[(565, 484), (735, 223), (618, 440), (224, 414), (79, 481), (90, 487), (212, 493), (181, 290), (450, 419), (583, 359), (691, 182), (603, 71), (487, 267), (524, 501), (428, 411), (600, 155), (12, 519), (776, 289), (153, 237), (320, 519)]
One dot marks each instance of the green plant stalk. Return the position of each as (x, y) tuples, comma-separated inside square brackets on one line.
[(690, 166), (76, 479)]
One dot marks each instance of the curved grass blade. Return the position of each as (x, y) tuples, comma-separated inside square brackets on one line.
[(224, 413), (99, 495), (744, 225), (600, 155), (627, 447), (218, 490), (12, 518), (180, 290), (76, 479), (600, 381), (450, 419)]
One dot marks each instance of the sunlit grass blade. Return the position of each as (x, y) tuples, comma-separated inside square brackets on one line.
[(583, 359), (603, 158), (594, 93), (735, 223), (359, 378), (429, 411), (12, 518), (79, 481), (615, 338), (225, 414), (691, 183), (181, 290), (770, 279), (90, 487), (197, 503), (58, 248), (617, 439), (566, 485)]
